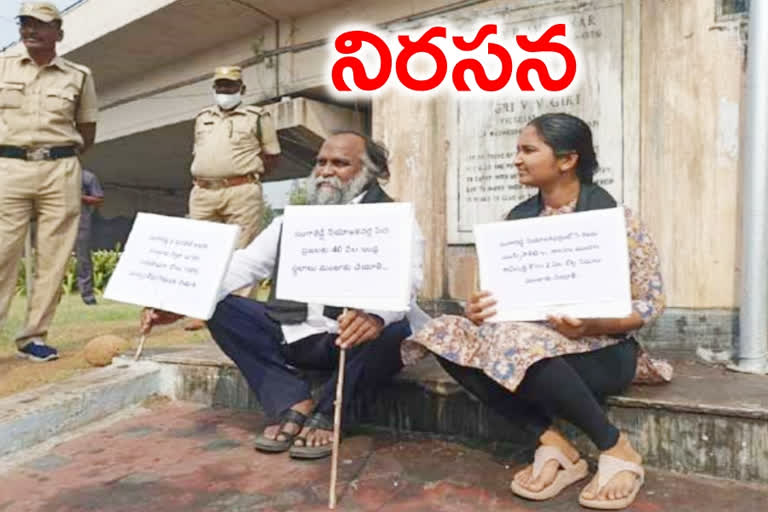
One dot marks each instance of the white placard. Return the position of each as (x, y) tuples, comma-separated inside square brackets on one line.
[(173, 264), (575, 265), (347, 255)]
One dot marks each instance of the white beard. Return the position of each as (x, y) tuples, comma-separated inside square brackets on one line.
[(338, 192)]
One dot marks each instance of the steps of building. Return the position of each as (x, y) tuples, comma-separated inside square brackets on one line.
[(708, 421)]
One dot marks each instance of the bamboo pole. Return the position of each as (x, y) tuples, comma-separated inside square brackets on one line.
[(140, 348), (337, 428), (142, 339), (338, 405)]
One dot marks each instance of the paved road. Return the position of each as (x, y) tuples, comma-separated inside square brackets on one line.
[(178, 457)]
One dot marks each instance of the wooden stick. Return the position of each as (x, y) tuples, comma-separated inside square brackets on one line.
[(140, 348), (337, 428), (142, 340)]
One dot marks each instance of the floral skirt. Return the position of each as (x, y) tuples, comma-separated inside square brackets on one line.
[(505, 350)]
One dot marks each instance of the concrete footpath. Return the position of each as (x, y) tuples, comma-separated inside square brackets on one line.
[(180, 457)]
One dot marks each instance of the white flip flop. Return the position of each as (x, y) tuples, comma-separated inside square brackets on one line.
[(607, 468), (570, 473)]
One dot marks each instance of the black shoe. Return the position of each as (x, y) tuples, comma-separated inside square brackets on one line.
[(90, 301)]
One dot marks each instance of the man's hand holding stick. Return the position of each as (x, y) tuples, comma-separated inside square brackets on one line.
[(149, 318)]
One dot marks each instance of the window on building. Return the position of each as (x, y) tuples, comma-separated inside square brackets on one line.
[(732, 7)]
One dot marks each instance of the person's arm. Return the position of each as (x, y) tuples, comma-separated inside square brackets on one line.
[(357, 327), (150, 317), (94, 194), (579, 327), (87, 113), (270, 162), (648, 299), (480, 307), (95, 201), (270, 145), (254, 262), (88, 132)]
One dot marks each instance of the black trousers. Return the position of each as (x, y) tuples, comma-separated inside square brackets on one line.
[(254, 342), (570, 387)]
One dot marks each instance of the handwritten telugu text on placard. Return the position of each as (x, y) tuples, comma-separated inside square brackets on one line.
[(575, 264), (173, 264), (353, 255)]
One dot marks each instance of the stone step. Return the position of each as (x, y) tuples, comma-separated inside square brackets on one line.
[(708, 421), (34, 416)]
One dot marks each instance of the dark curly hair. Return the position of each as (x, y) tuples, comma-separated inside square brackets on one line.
[(566, 134)]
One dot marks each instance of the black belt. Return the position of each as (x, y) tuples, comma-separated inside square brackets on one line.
[(38, 154)]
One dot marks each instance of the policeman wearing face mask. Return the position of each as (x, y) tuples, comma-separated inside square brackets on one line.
[(235, 145)]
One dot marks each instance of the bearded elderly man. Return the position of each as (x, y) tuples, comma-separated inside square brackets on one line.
[(268, 341)]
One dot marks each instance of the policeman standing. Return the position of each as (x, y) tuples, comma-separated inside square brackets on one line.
[(93, 197), (235, 145), (48, 111)]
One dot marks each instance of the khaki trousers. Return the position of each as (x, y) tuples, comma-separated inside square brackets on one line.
[(241, 205), (51, 191)]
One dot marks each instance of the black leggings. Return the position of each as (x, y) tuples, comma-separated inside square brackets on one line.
[(570, 387)]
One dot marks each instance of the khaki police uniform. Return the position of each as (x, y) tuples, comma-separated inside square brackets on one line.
[(39, 107), (228, 166)]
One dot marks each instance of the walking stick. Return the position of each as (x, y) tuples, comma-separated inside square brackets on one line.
[(337, 428), (140, 347), (337, 425), (141, 342)]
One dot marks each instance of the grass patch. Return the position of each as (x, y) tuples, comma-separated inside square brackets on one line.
[(74, 325)]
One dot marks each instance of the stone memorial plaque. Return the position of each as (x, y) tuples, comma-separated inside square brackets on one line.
[(482, 180)]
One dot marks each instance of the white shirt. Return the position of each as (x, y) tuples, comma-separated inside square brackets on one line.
[(257, 261)]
